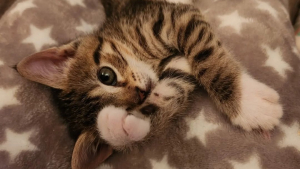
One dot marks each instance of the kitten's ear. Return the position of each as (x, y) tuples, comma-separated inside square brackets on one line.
[(88, 153), (48, 66)]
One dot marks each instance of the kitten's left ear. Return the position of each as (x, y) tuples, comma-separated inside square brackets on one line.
[(88, 153), (48, 66)]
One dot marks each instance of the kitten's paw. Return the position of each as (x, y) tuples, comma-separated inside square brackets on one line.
[(118, 128), (136, 128), (260, 107), (164, 94)]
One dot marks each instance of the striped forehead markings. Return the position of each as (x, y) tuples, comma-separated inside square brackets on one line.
[(97, 51), (114, 48)]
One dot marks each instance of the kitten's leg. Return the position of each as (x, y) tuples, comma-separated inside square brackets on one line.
[(247, 102)]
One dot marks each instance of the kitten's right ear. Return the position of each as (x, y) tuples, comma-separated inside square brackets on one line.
[(48, 67)]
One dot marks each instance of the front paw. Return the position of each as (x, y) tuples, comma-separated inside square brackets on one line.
[(260, 107), (119, 128), (167, 94)]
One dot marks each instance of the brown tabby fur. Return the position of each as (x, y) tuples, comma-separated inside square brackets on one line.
[(150, 32)]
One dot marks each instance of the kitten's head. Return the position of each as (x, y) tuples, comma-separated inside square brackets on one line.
[(90, 73)]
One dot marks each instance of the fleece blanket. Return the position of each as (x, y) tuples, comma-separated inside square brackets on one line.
[(258, 33)]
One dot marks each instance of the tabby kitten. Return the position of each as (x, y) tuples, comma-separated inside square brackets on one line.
[(123, 83)]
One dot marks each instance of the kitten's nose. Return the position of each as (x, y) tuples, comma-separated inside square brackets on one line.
[(142, 94)]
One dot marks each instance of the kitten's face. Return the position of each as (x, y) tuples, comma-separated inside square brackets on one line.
[(118, 78), (103, 73)]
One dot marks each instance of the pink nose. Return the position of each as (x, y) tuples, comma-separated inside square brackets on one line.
[(142, 94)]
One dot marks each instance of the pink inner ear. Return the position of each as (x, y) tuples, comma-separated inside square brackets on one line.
[(45, 67)]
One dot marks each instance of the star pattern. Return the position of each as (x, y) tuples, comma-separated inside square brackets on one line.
[(291, 136), (39, 37), (163, 164), (17, 143), (237, 19), (275, 60), (199, 127), (234, 20), (22, 6), (253, 163), (267, 7), (85, 27), (76, 2), (7, 97)]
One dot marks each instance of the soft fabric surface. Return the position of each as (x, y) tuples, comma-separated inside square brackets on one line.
[(259, 33)]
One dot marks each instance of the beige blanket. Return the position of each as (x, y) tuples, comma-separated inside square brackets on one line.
[(259, 33)]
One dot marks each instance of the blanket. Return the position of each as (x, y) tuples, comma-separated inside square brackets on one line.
[(258, 33)]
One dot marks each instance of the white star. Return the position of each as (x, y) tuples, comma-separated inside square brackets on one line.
[(76, 2), (7, 97), (199, 127), (267, 7), (234, 20), (85, 27), (163, 164), (275, 61), (16, 143), (105, 166), (22, 6), (291, 136), (39, 37), (253, 163)]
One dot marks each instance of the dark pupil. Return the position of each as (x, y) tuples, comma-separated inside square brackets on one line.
[(107, 76)]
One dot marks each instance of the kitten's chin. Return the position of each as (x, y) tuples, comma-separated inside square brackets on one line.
[(119, 128)]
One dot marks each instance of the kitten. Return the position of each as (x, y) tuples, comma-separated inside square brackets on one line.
[(123, 83)]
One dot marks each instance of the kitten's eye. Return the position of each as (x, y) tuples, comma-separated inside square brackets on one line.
[(107, 76)]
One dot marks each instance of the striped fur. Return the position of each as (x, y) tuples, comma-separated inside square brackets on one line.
[(160, 52), (153, 34)]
